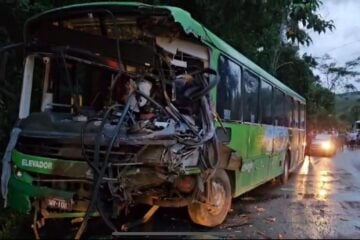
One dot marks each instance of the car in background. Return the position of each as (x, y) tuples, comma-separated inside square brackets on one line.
[(323, 144)]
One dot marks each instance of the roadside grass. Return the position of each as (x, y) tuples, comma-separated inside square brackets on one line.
[(9, 221), (12, 224)]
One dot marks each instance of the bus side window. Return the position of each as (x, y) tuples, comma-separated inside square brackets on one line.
[(251, 97), (37, 85), (228, 104), (302, 116), (296, 114), (278, 106), (266, 103), (288, 111)]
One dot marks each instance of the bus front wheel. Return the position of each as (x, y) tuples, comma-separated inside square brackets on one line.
[(213, 213)]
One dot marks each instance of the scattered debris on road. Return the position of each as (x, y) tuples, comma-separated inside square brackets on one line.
[(260, 209), (262, 234), (287, 189), (270, 220), (248, 199)]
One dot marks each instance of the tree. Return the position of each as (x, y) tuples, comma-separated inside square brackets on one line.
[(350, 87), (297, 16), (301, 15), (338, 76), (355, 113), (264, 31)]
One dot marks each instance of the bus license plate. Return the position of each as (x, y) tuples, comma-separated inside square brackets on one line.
[(59, 203)]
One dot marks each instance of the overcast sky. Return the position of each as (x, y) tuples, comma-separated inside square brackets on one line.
[(343, 44)]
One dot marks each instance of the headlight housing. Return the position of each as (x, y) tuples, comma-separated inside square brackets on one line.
[(327, 145)]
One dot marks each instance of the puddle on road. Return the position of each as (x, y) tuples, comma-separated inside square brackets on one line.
[(308, 195), (322, 195), (262, 197)]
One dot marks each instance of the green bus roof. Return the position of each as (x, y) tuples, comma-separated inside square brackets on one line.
[(189, 25)]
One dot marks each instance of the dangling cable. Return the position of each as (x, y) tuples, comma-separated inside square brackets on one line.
[(103, 169)]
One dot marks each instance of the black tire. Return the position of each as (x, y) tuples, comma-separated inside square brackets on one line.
[(284, 177), (211, 216)]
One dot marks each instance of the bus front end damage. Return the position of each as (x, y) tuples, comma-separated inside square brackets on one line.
[(124, 117)]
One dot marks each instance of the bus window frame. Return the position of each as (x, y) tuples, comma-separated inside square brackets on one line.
[(258, 78), (282, 112), (274, 87), (288, 110), (262, 80), (296, 110), (241, 67)]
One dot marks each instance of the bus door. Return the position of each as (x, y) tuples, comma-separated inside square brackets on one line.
[(253, 88), (280, 143), (294, 134), (268, 148), (280, 132)]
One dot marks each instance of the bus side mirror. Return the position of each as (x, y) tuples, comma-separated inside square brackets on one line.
[(209, 71)]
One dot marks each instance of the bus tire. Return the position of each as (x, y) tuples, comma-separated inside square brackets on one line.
[(211, 216), (286, 169)]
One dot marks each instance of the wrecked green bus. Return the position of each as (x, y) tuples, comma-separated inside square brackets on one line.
[(143, 104)]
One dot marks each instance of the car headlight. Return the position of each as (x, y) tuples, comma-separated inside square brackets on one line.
[(326, 145)]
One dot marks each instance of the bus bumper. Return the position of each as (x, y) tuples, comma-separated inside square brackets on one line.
[(20, 194)]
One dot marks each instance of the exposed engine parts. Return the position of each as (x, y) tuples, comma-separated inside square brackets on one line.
[(167, 134), (168, 119)]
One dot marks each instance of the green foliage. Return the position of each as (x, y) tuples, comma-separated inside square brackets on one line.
[(320, 108), (256, 28), (250, 27), (321, 100), (294, 71), (355, 113), (347, 106), (10, 222), (304, 12)]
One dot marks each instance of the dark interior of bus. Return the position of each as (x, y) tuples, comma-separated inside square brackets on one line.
[(96, 61)]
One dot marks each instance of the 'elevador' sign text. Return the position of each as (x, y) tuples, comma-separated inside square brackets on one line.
[(36, 164)]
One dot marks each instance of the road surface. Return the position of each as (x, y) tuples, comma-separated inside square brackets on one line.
[(321, 200)]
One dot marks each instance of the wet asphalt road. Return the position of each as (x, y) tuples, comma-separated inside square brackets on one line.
[(321, 200)]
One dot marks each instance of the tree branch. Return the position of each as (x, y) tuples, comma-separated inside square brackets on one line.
[(283, 64)]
